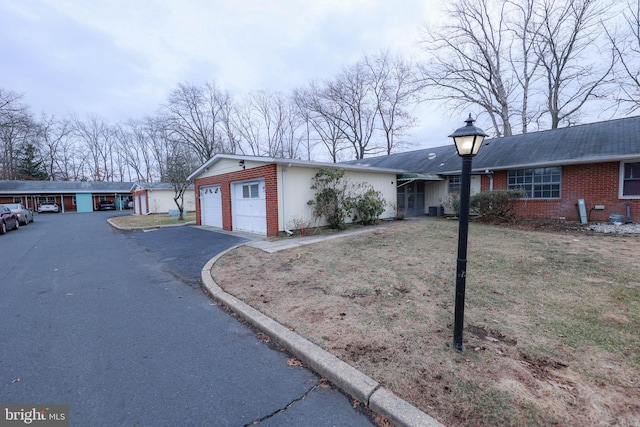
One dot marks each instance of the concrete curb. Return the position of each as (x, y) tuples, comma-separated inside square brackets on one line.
[(149, 227), (346, 377)]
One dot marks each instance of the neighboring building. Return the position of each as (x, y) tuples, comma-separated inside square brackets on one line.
[(71, 196), (153, 198), (598, 163), (269, 195)]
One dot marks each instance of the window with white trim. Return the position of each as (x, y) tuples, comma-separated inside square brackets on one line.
[(17, 200), (251, 191), (539, 183), (454, 184), (630, 179)]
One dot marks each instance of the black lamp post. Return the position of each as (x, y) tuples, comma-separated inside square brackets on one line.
[(468, 140)]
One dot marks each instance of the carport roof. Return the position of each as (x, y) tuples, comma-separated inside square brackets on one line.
[(291, 162), (63, 187)]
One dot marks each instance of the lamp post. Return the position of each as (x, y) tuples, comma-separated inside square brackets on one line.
[(468, 140)]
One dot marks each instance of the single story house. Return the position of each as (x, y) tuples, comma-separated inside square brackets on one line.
[(153, 198), (71, 196), (265, 195), (598, 163)]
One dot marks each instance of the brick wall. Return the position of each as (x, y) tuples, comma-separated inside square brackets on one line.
[(597, 184), (267, 172)]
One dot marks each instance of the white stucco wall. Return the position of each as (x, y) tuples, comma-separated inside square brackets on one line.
[(161, 201), (294, 190)]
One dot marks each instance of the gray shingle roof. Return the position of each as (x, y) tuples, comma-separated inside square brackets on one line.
[(612, 140), (62, 187)]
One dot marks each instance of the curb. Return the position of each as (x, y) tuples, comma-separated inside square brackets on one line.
[(148, 227), (346, 377)]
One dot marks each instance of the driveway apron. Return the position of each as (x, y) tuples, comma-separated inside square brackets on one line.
[(115, 325)]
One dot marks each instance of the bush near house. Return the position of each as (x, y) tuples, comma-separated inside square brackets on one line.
[(495, 204), (336, 199)]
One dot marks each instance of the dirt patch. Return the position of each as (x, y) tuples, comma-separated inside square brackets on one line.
[(551, 317)]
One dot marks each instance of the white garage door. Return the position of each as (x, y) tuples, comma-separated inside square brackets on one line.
[(143, 203), (211, 205), (249, 207)]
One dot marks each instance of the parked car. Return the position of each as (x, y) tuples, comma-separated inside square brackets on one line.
[(107, 205), (8, 220), (25, 215), (48, 207)]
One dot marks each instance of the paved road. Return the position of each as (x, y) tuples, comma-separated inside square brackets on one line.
[(115, 325)]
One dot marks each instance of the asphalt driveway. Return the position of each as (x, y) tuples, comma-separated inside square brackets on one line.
[(115, 325)]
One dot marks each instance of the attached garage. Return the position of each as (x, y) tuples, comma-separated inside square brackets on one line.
[(266, 195), (249, 207), (211, 205)]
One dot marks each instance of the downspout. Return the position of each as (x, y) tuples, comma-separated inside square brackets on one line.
[(284, 199)]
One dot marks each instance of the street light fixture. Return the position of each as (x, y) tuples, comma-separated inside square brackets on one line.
[(468, 140)]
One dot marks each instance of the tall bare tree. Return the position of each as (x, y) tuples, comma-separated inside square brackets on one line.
[(626, 44), (469, 61), (575, 67), (196, 115), (396, 88), (523, 62), (16, 130), (55, 137)]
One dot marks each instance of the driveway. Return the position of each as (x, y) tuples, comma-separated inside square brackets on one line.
[(115, 325)]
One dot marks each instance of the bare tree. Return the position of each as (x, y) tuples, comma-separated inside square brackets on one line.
[(16, 129), (269, 125), (469, 61), (627, 48), (55, 137), (575, 68), (319, 114), (97, 137), (519, 60), (197, 118), (395, 87), (179, 165)]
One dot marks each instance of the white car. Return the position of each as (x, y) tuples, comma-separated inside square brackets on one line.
[(48, 207), (25, 215)]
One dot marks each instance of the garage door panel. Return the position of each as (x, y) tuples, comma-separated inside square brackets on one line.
[(211, 206), (249, 207)]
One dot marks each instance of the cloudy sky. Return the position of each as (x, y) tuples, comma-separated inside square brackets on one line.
[(119, 59)]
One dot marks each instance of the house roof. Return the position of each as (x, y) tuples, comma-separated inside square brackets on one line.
[(290, 162), (62, 187), (613, 140), (154, 186)]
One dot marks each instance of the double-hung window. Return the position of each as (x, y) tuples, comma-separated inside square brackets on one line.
[(630, 187), (539, 183)]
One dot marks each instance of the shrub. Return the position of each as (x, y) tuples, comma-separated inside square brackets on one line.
[(332, 198), (336, 199), (368, 207), (496, 204)]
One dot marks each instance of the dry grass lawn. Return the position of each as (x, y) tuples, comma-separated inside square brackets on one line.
[(150, 221), (551, 322)]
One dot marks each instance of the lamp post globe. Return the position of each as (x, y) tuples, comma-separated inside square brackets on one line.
[(468, 140)]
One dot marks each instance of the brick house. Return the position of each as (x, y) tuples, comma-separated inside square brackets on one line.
[(598, 163), (267, 196)]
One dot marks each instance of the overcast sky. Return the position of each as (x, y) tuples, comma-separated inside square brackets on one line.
[(119, 59)]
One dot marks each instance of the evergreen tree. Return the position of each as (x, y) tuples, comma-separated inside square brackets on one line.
[(30, 164)]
